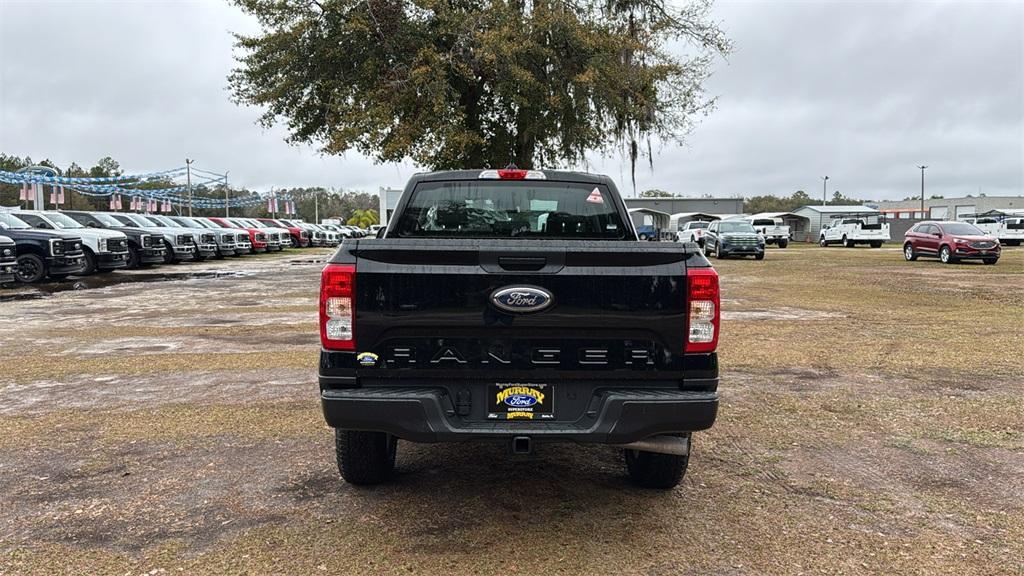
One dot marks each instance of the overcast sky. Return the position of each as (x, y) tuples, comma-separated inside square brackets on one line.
[(860, 91)]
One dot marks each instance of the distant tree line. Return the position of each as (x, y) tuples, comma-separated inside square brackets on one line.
[(355, 207)]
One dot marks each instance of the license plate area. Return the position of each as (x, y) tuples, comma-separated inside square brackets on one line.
[(520, 401)]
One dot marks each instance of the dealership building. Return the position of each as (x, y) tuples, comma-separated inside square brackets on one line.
[(947, 208)]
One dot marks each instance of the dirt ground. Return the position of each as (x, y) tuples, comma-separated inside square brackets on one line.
[(872, 422)]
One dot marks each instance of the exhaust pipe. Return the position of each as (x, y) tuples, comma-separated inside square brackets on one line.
[(675, 445)]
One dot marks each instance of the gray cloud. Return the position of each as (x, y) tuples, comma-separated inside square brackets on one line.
[(859, 91)]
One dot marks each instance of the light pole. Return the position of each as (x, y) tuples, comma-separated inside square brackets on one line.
[(226, 197), (824, 201), (922, 189), (188, 180)]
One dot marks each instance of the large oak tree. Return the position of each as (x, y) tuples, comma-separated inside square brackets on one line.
[(478, 83)]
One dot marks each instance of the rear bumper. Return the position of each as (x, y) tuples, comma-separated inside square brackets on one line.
[(614, 416)]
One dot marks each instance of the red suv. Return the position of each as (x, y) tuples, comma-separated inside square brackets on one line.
[(950, 242)]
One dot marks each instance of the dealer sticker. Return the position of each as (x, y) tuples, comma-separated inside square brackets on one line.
[(520, 401)]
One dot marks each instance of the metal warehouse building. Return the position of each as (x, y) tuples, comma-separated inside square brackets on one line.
[(948, 208), (677, 205), (818, 216)]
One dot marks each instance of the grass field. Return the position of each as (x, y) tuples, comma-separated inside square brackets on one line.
[(872, 422)]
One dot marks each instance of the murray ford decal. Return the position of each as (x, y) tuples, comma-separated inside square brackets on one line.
[(526, 401)]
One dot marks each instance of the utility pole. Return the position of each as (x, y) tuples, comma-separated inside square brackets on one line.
[(188, 180), (227, 198), (922, 189), (824, 201), (316, 207)]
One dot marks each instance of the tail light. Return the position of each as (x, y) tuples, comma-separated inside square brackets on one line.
[(704, 314), (337, 307), (512, 174)]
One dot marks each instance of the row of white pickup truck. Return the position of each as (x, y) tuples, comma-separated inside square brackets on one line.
[(851, 230)]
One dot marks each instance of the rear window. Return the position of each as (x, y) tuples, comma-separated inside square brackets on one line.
[(510, 209)]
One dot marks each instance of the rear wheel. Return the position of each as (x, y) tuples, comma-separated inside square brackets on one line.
[(364, 457), (847, 242), (31, 268), (783, 243), (1013, 242), (643, 236), (908, 252), (653, 470), (946, 255), (876, 244)]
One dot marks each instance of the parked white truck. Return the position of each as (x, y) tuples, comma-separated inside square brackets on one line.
[(770, 228), (1009, 230), (852, 229), (692, 231)]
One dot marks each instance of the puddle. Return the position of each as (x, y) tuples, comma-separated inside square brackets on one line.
[(44, 290)]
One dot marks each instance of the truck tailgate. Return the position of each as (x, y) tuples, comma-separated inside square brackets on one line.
[(425, 306)]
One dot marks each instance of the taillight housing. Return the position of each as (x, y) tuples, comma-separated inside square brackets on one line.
[(337, 307), (512, 174), (704, 314)]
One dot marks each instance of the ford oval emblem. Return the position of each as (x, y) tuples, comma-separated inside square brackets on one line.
[(521, 299), (520, 400)]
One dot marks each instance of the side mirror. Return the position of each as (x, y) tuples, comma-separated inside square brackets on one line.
[(937, 234)]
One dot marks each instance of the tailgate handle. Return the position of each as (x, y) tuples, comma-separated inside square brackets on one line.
[(522, 264)]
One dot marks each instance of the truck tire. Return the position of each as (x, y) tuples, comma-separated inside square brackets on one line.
[(90, 263), (823, 243), (759, 256), (31, 268), (848, 243), (133, 257), (169, 253), (783, 243), (876, 244), (652, 470), (643, 236), (1013, 242), (364, 458)]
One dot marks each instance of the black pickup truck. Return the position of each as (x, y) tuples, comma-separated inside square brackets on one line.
[(517, 306), (42, 253), (143, 248), (8, 259)]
